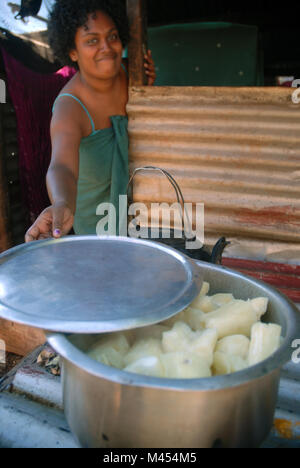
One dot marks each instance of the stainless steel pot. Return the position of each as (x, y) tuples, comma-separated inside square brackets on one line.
[(106, 407)]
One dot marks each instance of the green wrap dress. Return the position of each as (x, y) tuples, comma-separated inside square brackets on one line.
[(103, 173)]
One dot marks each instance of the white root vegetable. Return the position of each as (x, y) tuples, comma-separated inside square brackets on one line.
[(109, 356), (236, 345), (170, 322), (260, 305), (226, 364), (221, 364), (143, 348), (182, 338), (130, 336), (193, 318), (210, 337), (177, 339), (117, 341), (183, 365), (204, 343), (238, 363), (235, 318), (205, 288), (152, 331), (203, 293), (149, 365), (204, 303), (110, 350), (220, 299), (265, 340)]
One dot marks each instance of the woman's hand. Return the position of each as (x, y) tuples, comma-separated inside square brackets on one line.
[(54, 221), (150, 68)]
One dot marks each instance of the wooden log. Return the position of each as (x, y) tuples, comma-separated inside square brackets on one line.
[(137, 47), (20, 339)]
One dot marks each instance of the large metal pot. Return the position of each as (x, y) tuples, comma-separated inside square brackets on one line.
[(106, 407)]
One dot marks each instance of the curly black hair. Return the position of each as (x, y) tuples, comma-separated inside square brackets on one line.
[(69, 15)]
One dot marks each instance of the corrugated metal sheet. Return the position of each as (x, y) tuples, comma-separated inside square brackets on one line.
[(282, 276), (235, 149)]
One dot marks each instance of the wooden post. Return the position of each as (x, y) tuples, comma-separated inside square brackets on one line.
[(137, 47)]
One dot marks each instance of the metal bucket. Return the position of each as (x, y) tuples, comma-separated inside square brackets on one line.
[(106, 407)]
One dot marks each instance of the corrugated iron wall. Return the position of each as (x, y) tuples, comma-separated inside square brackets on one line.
[(235, 149)]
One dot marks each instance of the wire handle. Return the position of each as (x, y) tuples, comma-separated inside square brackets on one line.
[(176, 187)]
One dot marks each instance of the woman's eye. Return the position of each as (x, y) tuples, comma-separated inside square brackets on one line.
[(113, 37), (92, 41)]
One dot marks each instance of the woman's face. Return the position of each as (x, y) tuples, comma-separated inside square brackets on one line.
[(98, 48)]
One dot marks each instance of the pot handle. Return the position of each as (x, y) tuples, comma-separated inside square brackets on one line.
[(176, 187)]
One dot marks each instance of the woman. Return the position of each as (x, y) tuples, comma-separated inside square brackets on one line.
[(89, 161)]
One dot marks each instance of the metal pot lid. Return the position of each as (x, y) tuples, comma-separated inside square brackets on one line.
[(90, 284)]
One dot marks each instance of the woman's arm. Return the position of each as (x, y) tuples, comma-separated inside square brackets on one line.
[(62, 174), (63, 171), (150, 68)]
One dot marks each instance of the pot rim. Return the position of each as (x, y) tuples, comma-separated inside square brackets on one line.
[(62, 345)]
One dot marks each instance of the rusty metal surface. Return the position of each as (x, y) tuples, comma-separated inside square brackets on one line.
[(282, 276), (235, 149)]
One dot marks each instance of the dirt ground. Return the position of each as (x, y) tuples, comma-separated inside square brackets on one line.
[(11, 361)]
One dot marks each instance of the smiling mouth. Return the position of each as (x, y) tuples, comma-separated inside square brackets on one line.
[(108, 57)]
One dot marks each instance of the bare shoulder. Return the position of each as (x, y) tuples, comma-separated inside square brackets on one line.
[(67, 130), (66, 116), (67, 113)]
